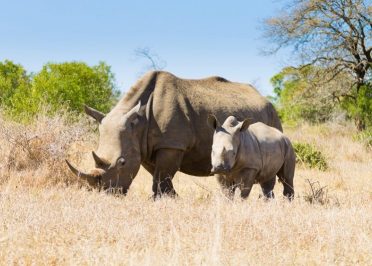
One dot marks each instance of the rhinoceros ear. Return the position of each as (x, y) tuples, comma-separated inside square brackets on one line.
[(213, 122), (97, 115)]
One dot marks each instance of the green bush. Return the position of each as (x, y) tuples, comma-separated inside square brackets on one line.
[(359, 106), (56, 88), (13, 77), (309, 156)]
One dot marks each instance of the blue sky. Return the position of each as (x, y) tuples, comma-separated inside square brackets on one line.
[(196, 38)]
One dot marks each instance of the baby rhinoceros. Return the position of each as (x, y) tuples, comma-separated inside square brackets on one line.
[(244, 154)]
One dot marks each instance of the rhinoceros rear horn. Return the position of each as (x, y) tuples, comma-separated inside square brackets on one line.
[(99, 161), (78, 173), (97, 115)]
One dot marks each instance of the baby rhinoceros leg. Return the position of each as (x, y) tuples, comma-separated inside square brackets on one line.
[(246, 180), (268, 187)]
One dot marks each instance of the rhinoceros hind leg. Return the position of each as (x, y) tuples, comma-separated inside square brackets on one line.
[(167, 163), (286, 174), (268, 187)]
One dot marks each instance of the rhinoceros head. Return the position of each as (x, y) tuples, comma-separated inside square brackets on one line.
[(118, 156), (226, 141)]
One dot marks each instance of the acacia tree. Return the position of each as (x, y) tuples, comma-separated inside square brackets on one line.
[(332, 34)]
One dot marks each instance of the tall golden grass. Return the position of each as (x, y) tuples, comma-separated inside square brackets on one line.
[(48, 217)]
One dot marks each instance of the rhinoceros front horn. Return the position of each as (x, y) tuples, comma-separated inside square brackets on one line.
[(89, 178), (97, 115)]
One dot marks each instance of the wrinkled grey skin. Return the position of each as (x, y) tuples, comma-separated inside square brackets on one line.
[(160, 124), (244, 154)]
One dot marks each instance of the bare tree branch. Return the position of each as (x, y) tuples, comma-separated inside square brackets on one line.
[(155, 62), (332, 34)]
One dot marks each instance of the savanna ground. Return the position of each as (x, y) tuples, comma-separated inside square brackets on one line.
[(49, 217)]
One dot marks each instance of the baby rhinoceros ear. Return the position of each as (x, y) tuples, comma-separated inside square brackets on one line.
[(213, 122), (243, 126)]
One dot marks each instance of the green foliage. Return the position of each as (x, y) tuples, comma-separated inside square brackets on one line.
[(13, 77), (308, 155), (313, 95), (59, 87), (359, 105), (293, 100)]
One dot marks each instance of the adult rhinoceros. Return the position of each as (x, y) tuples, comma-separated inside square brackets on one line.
[(169, 131)]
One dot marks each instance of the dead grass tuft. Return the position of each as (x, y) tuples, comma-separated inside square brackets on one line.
[(36, 152)]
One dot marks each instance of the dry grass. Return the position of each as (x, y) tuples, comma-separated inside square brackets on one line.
[(47, 218)]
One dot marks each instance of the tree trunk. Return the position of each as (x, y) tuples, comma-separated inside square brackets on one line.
[(360, 124)]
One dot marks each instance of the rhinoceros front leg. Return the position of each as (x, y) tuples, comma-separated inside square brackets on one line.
[(228, 186), (246, 179), (167, 163), (268, 187)]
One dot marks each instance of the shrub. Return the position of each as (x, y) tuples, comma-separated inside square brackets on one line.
[(317, 194), (309, 156)]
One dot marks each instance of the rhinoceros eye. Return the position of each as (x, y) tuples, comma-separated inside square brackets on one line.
[(121, 162)]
